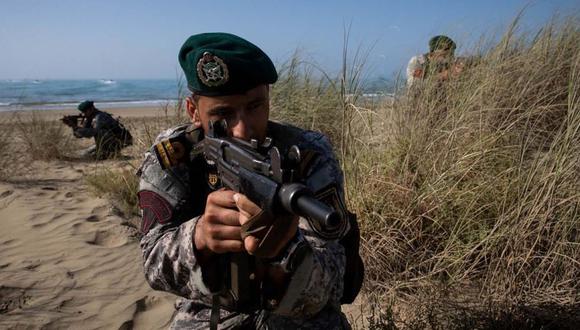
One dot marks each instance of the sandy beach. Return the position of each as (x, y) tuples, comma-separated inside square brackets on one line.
[(137, 112), (68, 259)]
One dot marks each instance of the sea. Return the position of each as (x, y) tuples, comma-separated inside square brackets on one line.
[(28, 94), (32, 94)]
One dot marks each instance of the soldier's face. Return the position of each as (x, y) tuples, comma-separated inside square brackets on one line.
[(89, 112), (246, 114), (441, 54)]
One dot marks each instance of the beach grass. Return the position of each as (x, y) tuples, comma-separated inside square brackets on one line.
[(7, 152), (472, 192), (41, 138), (119, 185)]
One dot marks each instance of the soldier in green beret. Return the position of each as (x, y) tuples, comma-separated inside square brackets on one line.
[(438, 64), (190, 225), (109, 134)]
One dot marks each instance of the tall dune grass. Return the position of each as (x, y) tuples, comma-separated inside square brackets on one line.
[(118, 185), (476, 181), (7, 152), (469, 186), (41, 138)]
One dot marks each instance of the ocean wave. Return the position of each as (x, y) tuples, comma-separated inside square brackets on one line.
[(20, 81), (99, 105), (107, 81)]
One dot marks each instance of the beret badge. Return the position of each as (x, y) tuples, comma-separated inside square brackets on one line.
[(211, 70)]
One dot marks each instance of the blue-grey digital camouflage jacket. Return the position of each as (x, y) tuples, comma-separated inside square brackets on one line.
[(104, 128), (172, 200)]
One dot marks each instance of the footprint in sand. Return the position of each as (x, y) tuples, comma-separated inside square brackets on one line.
[(93, 218), (80, 228), (53, 219), (102, 210), (4, 198), (7, 242), (108, 239), (32, 265), (6, 193), (65, 303)]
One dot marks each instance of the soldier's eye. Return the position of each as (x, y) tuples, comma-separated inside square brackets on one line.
[(255, 106), (221, 112)]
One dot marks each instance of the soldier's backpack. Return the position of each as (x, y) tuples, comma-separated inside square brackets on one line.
[(123, 134)]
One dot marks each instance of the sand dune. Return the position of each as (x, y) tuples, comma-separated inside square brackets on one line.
[(66, 261)]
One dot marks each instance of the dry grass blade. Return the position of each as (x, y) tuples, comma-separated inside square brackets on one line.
[(43, 139), (119, 186)]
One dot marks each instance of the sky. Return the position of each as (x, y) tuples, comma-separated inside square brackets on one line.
[(130, 39)]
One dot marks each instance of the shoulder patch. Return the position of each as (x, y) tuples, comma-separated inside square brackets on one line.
[(177, 148), (155, 209), (330, 197), (170, 152)]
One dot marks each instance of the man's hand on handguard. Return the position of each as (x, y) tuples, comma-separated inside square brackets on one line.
[(219, 229), (247, 211)]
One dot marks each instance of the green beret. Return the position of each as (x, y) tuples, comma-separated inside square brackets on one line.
[(441, 42), (224, 64), (85, 105)]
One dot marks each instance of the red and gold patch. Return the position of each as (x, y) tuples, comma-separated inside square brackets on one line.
[(155, 209)]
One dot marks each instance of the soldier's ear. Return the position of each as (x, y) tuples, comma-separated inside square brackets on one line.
[(192, 111)]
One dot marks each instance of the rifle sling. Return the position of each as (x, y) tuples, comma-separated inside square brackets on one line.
[(215, 312)]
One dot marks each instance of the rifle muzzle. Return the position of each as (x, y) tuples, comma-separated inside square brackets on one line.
[(296, 198)]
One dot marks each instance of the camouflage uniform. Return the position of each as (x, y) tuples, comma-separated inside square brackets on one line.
[(170, 213), (418, 62), (428, 67), (108, 133)]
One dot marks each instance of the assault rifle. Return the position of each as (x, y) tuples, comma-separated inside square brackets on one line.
[(269, 180), (73, 120)]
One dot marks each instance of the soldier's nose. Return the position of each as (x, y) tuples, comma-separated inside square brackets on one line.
[(241, 130)]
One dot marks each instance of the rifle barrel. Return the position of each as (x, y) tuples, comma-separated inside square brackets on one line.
[(297, 198)]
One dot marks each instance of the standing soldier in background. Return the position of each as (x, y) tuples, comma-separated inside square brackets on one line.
[(109, 134), (190, 224), (439, 64)]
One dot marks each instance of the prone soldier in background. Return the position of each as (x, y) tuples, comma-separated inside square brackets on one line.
[(109, 134), (236, 260)]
